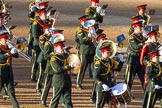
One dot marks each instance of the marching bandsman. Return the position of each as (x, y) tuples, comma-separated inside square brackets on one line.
[(103, 76), (136, 42), (33, 8), (48, 51), (41, 60), (86, 51), (37, 30), (134, 20), (3, 91), (100, 37), (61, 78), (93, 12), (154, 78), (147, 48), (6, 74), (142, 12)]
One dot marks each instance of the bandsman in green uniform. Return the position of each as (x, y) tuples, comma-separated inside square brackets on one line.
[(3, 91), (103, 76), (33, 8), (93, 12), (142, 12), (48, 51), (41, 60), (142, 15), (100, 37), (37, 31), (86, 52), (6, 74), (61, 79), (136, 42), (154, 78)]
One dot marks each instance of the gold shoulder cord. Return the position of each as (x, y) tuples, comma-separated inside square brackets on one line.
[(8, 59), (159, 73), (108, 68), (131, 46), (55, 57), (7, 62)]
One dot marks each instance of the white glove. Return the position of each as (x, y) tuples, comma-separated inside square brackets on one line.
[(72, 64), (157, 87), (121, 57), (4, 10), (144, 33), (98, 9), (105, 87), (13, 51)]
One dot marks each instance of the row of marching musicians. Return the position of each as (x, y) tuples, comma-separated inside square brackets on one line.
[(49, 53), (97, 52), (142, 57)]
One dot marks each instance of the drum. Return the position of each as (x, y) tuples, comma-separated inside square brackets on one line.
[(121, 93), (74, 58)]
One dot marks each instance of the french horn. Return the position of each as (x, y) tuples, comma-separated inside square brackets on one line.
[(113, 48)]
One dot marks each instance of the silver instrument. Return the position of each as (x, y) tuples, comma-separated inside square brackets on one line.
[(11, 44)]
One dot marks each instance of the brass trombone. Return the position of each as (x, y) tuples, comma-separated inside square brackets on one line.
[(11, 44)]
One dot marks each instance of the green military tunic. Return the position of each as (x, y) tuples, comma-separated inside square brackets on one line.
[(86, 51), (6, 74), (48, 51), (41, 60), (32, 15), (61, 80), (154, 77), (136, 42), (91, 13), (103, 74), (36, 31)]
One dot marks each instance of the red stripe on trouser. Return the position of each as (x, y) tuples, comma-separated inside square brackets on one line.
[(112, 102)]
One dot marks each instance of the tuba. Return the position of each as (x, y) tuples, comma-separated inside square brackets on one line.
[(112, 47)]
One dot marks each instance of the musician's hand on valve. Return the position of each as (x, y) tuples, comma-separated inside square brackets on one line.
[(72, 64), (105, 87), (13, 51), (157, 87)]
